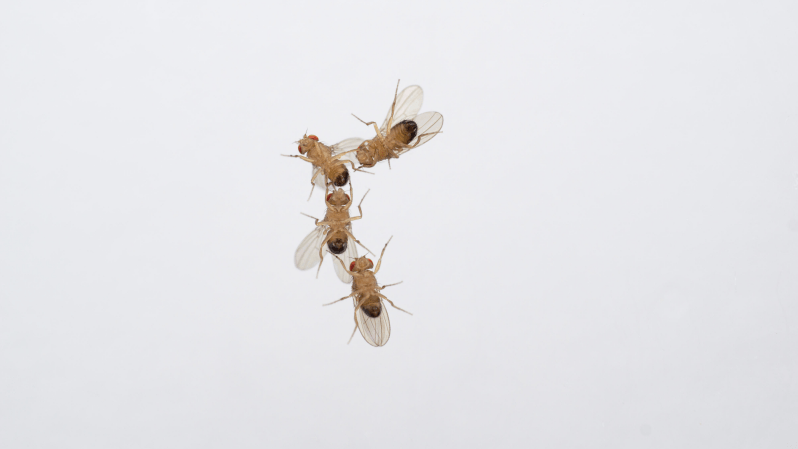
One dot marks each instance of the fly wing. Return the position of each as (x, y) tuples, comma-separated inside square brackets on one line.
[(347, 257), (348, 145), (429, 123), (408, 103), (376, 331), (307, 254), (320, 179)]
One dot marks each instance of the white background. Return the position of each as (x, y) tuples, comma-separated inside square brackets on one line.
[(601, 249)]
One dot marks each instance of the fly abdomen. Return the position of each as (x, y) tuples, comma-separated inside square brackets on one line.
[(373, 310), (337, 246), (404, 131)]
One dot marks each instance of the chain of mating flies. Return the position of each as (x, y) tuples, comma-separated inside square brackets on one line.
[(403, 130)]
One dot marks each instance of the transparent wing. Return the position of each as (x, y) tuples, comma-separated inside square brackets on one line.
[(348, 257), (307, 254), (429, 123), (376, 331), (347, 145), (321, 179), (408, 103)]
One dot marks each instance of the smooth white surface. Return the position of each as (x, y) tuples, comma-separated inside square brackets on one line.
[(601, 249)]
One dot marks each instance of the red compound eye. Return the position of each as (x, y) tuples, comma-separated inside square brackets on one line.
[(313, 137), (347, 197), (329, 195), (300, 149), (352, 266), (372, 263)]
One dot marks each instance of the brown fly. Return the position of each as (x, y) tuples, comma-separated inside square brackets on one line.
[(371, 316), (403, 129), (335, 231), (328, 161)]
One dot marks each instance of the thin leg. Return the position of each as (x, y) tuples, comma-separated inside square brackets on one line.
[(301, 157), (394, 305), (351, 273), (338, 156), (353, 334), (389, 285), (317, 220), (351, 197), (361, 121), (358, 241), (321, 254), (350, 295), (377, 268), (312, 186), (343, 162), (360, 169), (358, 206)]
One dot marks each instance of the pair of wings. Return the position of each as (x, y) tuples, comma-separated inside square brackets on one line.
[(376, 331), (307, 254), (408, 103)]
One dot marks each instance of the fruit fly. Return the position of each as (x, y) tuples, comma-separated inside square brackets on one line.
[(402, 130), (371, 316), (328, 161), (335, 231)]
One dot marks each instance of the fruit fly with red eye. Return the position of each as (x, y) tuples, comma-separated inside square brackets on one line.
[(329, 162), (335, 231), (371, 315), (403, 129)]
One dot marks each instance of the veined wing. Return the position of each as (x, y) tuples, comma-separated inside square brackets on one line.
[(408, 103), (348, 257), (321, 179), (347, 145), (376, 331), (307, 254), (429, 123)]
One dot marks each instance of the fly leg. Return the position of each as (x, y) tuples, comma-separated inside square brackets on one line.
[(351, 273), (352, 294), (377, 268), (358, 206), (358, 241), (351, 197), (321, 253), (389, 285), (394, 305), (312, 182), (353, 332), (377, 130), (301, 157), (317, 220)]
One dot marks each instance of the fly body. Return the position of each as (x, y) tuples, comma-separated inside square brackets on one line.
[(371, 316), (329, 162), (333, 234), (403, 129)]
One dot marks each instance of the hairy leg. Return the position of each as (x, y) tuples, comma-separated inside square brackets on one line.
[(377, 268)]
